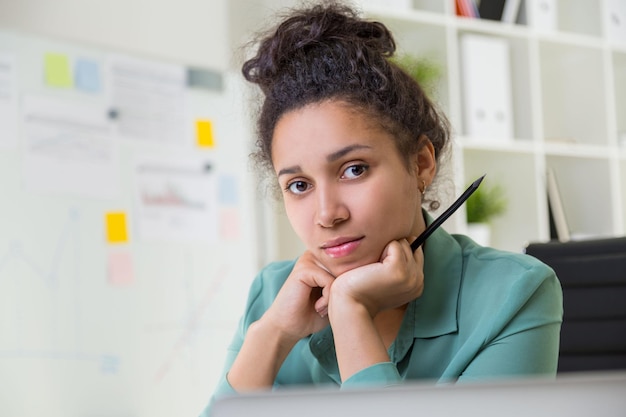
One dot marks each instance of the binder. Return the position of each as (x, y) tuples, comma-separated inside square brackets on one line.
[(559, 227), (491, 9), (487, 96), (616, 21), (539, 14), (501, 10), (511, 10)]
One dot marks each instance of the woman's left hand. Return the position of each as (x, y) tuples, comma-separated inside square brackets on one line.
[(395, 280)]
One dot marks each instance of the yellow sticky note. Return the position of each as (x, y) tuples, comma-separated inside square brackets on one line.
[(204, 134), (116, 227), (57, 70)]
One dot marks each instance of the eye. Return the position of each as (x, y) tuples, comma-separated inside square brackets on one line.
[(297, 187), (355, 171)]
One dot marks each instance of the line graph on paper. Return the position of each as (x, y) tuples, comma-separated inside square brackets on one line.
[(43, 304), (191, 327)]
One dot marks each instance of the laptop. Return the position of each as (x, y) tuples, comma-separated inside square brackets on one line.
[(572, 395)]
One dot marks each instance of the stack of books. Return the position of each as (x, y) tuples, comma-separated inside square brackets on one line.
[(539, 14)]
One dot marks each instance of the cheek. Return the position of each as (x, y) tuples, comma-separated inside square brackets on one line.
[(395, 209), (300, 218), (393, 212)]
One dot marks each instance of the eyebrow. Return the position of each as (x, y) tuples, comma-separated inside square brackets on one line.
[(330, 158), (291, 170), (344, 151)]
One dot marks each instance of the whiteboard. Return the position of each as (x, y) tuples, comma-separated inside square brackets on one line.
[(91, 325)]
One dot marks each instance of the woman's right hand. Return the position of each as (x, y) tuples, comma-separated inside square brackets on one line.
[(301, 306), (299, 309)]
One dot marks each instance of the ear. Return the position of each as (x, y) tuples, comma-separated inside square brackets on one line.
[(426, 167)]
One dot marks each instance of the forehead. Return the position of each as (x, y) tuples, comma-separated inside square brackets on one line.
[(329, 123), (327, 112)]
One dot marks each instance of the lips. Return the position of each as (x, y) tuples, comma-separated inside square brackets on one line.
[(340, 247)]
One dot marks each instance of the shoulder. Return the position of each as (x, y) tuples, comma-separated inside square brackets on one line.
[(507, 280), (493, 264), (271, 278), (275, 270)]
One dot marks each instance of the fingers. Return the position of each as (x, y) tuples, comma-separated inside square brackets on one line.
[(317, 277), (320, 297), (417, 255), (321, 306), (398, 249), (407, 263)]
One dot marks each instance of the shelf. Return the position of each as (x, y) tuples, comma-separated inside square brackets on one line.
[(412, 16), (579, 17), (504, 145), (515, 173), (435, 6), (573, 87), (576, 150), (491, 27), (432, 7), (619, 89), (569, 110), (585, 187)]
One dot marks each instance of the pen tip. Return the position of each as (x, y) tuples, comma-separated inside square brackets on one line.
[(479, 180)]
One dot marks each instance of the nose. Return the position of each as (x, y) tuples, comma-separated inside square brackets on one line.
[(331, 209)]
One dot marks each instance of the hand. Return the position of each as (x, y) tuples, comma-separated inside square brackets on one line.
[(395, 280), (301, 306)]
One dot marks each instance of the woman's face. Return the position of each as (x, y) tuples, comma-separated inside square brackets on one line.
[(347, 191)]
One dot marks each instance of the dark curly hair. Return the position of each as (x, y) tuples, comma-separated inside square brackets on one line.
[(327, 52)]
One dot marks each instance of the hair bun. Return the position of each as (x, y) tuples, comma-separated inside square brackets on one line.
[(333, 29)]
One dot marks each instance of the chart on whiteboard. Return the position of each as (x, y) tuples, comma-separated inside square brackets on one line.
[(155, 322), (128, 231)]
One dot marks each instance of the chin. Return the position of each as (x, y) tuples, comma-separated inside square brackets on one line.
[(337, 267)]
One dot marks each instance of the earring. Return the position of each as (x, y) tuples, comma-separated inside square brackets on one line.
[(423, 188)]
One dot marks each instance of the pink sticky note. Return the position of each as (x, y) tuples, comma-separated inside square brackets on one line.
[(230, 224), (120, 268)]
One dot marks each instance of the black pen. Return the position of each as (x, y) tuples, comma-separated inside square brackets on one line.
[(444, 216)]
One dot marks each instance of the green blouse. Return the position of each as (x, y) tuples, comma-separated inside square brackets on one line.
[(484, 313)]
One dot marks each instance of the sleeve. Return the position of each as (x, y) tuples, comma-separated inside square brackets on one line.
[(524, 337), (379, 375)]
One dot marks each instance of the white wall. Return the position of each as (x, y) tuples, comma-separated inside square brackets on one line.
[(246, 18), (193, 32)]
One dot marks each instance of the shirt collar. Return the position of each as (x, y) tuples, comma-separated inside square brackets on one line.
[(435, 312)]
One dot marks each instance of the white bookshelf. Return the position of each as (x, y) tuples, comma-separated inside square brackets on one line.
[(569, 111)]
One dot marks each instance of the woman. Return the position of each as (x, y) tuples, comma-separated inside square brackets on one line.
[(354, 145)]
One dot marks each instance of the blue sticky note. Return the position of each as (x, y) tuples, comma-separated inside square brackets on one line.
[(228, 190), (87, 75)]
